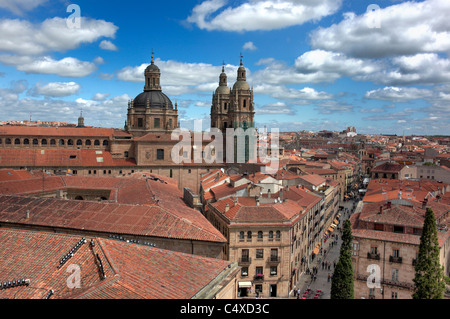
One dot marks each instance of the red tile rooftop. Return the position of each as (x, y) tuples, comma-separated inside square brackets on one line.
[(10, 130), (142, 204), (132, 271), (10, 157)]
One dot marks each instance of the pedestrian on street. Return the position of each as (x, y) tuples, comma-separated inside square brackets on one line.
[(329, 277)]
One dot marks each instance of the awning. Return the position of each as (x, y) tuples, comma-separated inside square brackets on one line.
[(245, 284), (333, 225), (336, 221), (331, 229), (316, 250), (338, 215)]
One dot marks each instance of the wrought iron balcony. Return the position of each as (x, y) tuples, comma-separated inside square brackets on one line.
[(258, 278), (373, 256), (393, 259), (274, 259), (244, 261)]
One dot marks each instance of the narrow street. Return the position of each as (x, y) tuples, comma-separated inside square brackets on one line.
[(331, 256)]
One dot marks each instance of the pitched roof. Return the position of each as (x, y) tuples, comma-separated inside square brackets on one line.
[(133, 271), (11, 157), (32, 131), (142, 204)]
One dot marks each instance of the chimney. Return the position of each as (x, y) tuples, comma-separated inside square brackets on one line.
[(257, 201), (27, 213), (227, 207), (269, 194)]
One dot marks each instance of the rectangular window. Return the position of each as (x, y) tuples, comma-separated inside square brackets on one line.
[(157, 123), (395, 274), (160, 154), (259, 253), (378, 227), (374, 250), (273, 270), (399, 229), (244, 271), (140, 122), (394, 295), (396, 253), (259, 270)]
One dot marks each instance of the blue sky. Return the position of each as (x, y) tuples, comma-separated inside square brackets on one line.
[(314, 64)]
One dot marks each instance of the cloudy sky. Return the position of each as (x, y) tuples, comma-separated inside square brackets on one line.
[(382, 66)]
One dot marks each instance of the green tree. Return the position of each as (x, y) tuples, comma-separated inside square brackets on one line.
[(429, 278), (342, 283)]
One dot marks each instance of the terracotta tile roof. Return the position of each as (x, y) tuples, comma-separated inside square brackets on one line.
[(247, 210), (32, 131), (10, 157), (301, 196), (144, 220), (132, 271), (225, 190), (313, 179), (404, 213), (388, 168)]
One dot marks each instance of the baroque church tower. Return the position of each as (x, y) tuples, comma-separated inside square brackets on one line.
[(151, 111), (234, 108)]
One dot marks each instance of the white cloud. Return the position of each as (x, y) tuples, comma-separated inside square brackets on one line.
[(275, 108), (260, 14), (100, 96), (397, 94), (180, 77), (57, 89), (67, 67), (25, 38), (20, 6), (249, 46), (108, 45), (406, 28)]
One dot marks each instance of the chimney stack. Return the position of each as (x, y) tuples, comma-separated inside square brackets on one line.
[(227, 207), (27, 213)]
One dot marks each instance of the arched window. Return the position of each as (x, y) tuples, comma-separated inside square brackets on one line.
[(270, 234), (278, 234), (105, 143), (26, 141), (52, 142), (88, 143), (44, 142), (249, 234), (1, 141), (69, 142), (17, 141), (61, 142), (79, 142), (96, 142), (8, 141), (260, 234), (35, 141), (241, 235)]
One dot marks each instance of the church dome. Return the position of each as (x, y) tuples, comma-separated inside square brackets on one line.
[(156, 99), (241, 85)]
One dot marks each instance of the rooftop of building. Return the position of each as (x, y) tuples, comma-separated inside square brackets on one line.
[(140, 204), (132, 271)]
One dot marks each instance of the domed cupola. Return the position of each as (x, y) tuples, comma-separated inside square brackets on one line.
[(223, 85), (152, 97), (241, 83)]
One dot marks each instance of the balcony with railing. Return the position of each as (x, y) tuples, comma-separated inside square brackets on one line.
[(273, 260), (258, 278), (395, 259), (373, 256), (244, 261)]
